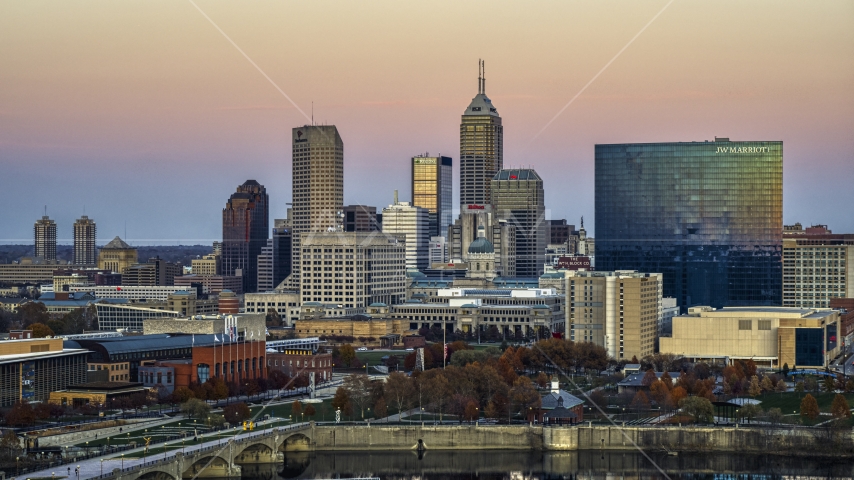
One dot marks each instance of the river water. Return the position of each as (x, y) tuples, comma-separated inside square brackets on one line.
[(516, 465)]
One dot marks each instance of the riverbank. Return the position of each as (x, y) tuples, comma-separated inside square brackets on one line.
[(769, 440)]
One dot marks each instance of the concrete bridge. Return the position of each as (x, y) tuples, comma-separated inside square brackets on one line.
[(221, 459)]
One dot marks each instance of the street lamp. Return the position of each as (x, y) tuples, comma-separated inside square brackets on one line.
[(123, 461), (102, 467), (17, 466)]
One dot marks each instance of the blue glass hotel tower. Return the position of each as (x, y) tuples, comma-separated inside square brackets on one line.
[(708, 215)]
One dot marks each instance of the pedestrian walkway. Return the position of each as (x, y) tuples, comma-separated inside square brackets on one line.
[(97, 466)]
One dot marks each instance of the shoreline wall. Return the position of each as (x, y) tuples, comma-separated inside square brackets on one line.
[(795, 441)]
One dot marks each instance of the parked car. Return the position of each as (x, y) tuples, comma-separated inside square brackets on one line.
[(362, 349)]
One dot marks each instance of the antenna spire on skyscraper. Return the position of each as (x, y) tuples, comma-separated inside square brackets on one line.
[(479, 77), (483, 73)]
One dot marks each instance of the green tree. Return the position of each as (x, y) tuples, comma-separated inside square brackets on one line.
[(196, 408), (348, 354), (809, 407), (58, 326), (41, 330), (33, 312), (700, 408), (749, 411), (840, 408), (785, 369), (799, 387), (774, 416), (74, 321)]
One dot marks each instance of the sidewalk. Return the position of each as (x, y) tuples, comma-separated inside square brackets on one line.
[(93, 467)]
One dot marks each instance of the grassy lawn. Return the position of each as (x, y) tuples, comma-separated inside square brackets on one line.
[(375, 358), (790, 402)]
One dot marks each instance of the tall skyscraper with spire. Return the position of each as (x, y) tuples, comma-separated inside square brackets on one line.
[(45, 238), (245, 229), (481, 147), (84, 241)]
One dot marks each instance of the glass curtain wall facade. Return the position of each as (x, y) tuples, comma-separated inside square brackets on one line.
[(708, 215), (245, 229), (432, 189), (517, 196)]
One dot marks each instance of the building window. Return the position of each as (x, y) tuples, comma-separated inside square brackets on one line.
[(745, 324), (203, 371), (764, 325)]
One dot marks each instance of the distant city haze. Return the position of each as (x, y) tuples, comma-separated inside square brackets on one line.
[(146, 116)]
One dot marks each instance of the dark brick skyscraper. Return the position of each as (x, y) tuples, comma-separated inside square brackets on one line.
[(245, 229)]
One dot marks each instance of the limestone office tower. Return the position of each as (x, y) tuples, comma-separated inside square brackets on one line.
[(517, 196), (432, 188), (245, 229), (84, 241), (318, 186), (481, 147), (706, 215), (45, 238)]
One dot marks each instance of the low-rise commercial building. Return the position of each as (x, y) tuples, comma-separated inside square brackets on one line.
[(32, 368), (100, 394), (211, 284), (771, 336), (286, 304)]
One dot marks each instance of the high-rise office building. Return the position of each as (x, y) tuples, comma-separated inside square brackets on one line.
[(274, 262), (432, 188), (318, 178), (360, 218), (707, 215), (517, 196), (818, 266), (412, 225), (245, 229), (84, 241), (318, 186), (156, 272), (352, 269), (45, 238), (481, 148), (617, 310)]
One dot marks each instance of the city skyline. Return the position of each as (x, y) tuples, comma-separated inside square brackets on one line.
[(127, 109)]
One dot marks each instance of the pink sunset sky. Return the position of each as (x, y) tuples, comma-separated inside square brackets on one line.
[(144, 113)]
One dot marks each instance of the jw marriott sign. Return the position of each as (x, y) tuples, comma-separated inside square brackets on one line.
[(742, 150)]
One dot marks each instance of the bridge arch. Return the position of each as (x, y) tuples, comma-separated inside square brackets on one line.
[(257, 453), (208, 466), (296, 443), (156, 475)]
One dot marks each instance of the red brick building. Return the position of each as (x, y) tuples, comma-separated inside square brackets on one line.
[(303, 362), (233, 362)]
